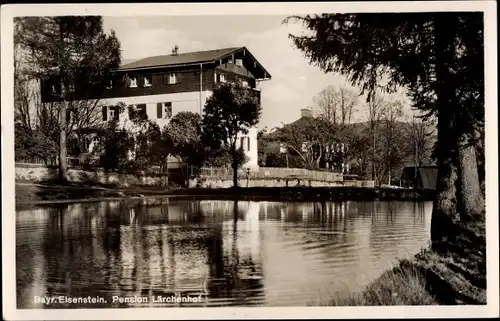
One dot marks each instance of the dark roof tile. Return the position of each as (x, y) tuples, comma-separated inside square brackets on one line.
[(180, 59)]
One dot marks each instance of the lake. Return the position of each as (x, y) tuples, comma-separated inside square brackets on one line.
[(128, 253)]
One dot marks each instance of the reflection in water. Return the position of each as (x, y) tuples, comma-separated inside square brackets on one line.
[(232, 253)]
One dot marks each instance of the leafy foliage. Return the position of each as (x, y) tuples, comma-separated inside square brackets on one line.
[(391, 50), (74, 56), (184, 132), (231, 110), (438, 58), (308, 138), (33, 144), (115, 146)]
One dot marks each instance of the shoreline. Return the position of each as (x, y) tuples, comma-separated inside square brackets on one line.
[(33, 193), (456, 276), (428, 278)]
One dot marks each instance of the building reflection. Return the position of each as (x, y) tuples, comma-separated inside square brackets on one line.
[(233, 253), (141, 249)]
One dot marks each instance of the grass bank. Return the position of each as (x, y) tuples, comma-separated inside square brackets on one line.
[(455, 276), (34, 193)]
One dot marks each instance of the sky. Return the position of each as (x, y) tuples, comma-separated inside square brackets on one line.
[(294, 81)]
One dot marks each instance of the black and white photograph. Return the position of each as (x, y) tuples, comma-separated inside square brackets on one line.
[(249, 160)]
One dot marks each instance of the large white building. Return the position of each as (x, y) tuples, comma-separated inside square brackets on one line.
[(159, 87)]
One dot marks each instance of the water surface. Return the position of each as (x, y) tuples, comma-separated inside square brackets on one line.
[(231, 253)]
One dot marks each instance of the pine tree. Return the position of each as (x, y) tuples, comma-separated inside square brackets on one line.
[(439, 59)]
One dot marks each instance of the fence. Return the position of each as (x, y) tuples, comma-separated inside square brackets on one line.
[(270, 173), (76, 163), (52, 161)]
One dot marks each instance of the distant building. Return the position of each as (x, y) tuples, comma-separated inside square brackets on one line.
[(330, 154), (159, 87), (420, 177)]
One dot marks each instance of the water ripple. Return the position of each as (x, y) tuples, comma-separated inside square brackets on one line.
[(244, 254)]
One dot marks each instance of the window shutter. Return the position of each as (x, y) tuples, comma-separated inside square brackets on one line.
[(242, 141), (159, 110), (165, 79), (248, 143), (104, 113)]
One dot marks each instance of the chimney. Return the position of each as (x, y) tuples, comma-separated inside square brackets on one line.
[(306, 113), (175, 50)]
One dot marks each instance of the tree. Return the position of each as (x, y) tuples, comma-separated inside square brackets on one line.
[(358, 154), (419, 135), (32, 144), (148, 148), (277, 160), (263, 142), (376, 107), (310, 138), (231, 110), (336, 105), (439, 59), (392, 138), (74, 55), (184, 131), (115, 145)]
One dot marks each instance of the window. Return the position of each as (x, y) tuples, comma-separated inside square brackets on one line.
[(239, 62), (244, 83), (172, 78), (168, 110), (133, 82), (137, 112), (141, 111), (147, 81), (109, 85), (222, 78), (164, 110), (245, 143), (114, 113), (110, 113)]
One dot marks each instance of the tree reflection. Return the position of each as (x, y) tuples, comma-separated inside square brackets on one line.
[(218, 248)]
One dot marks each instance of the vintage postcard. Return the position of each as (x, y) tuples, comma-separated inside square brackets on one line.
[(249, 160)]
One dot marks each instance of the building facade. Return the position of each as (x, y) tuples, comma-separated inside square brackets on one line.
[(159, 87)]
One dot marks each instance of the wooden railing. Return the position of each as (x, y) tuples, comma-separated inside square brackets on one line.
[(271, 173), (51, 161)]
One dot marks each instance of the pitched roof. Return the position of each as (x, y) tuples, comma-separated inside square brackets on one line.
[(428, 175), (180, 59)]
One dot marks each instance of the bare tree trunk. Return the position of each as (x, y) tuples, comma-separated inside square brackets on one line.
[(63, 166)]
